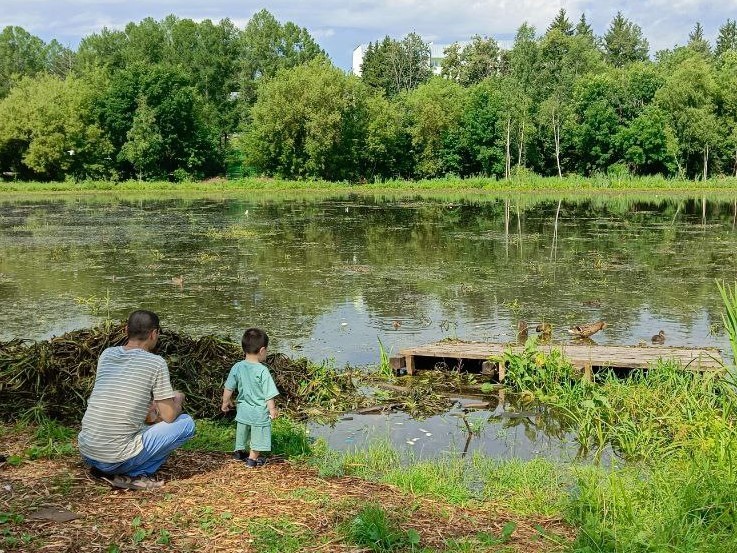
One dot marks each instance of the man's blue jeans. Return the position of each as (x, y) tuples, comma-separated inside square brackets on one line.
[(159, 440)]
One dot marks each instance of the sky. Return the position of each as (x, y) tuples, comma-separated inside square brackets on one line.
[(340, 25)]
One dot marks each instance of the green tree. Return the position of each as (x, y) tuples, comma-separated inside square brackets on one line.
[(727, 39), (583, 28), (451, 65), (190, 142), (397, 66), (146, 42), (648, 143), (21, 54), (688, 98), (60, 60), (47, 130), (104, 50), (267, 46), (480, 123), (524, 59), (208, 54), (374, 67), (307, 123), (697, 42), (388, 146), (564, 59), (434, 110), (473, 63), (480, 60), (514, 122), (561, 23), (144, 145), (596, 102), (727, 85), (624, 43)]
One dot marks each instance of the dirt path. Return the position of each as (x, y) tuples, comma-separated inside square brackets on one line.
[(212, 503)]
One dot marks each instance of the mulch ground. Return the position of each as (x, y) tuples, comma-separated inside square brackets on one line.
[(210, 503)]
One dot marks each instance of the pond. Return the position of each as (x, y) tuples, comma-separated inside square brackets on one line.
[(329, 277), (506, 429)]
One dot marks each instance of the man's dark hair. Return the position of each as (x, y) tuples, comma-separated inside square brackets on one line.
[(254, 339), (140, 323)]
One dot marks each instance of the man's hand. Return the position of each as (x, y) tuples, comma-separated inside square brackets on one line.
[(153, 414), (170, 409)]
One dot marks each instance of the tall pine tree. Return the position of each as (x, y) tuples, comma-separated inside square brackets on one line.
[(624, 43), (727, 39)]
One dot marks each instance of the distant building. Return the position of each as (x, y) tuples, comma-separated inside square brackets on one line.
[(437, 54)]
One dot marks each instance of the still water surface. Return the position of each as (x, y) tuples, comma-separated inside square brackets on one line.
[(330, 277)]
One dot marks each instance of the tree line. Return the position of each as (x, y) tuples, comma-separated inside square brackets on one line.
[(176, 99)]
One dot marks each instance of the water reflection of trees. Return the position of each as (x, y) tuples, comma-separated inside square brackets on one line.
[(285, 263)]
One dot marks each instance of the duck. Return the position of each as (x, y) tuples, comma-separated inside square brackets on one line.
[(584, 331), (544, 328), (177, 281), (659, 338), (396, 324)]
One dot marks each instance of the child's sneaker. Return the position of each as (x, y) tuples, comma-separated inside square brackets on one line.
[(260, 462), (251, 463), (239, 455)]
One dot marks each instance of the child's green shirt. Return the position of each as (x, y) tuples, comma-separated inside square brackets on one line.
[(254, 385)]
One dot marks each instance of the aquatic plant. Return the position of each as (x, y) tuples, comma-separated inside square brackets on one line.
[(658, 412), (385, 369), (729, 299)]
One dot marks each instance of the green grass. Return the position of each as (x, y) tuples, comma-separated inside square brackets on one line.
[(279, 536), (538, 486), (682, 505), (52, 439), (372, 527), (528, 182), (288, 438)]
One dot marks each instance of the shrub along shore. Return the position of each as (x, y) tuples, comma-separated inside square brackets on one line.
[(468, 188)]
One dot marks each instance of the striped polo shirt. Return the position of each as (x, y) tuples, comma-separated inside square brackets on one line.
[(126, 382)]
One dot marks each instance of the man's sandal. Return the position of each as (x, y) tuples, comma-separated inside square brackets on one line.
[(134, 482)]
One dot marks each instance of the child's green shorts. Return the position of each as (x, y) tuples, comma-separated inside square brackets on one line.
[(257, 438)]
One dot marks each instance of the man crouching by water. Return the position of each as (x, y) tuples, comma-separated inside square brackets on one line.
[(114, 439)]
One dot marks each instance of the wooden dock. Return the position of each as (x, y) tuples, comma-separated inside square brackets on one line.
[(588, 358)]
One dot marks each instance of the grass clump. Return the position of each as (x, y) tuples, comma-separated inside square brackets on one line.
[(373, 528)]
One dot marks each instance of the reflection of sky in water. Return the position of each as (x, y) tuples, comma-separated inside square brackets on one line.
[(348, 334), (329, 278), (524, 437)]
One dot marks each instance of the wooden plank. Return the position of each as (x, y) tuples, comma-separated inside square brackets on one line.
[(488, 368), (582, 356), (396, 362), (409, 362)]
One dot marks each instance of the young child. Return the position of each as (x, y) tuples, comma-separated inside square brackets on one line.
[(255, 406)]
